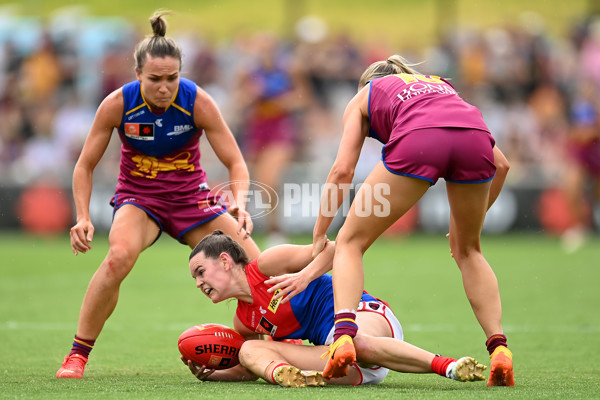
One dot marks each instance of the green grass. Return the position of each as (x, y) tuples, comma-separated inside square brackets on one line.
[(550, 315)]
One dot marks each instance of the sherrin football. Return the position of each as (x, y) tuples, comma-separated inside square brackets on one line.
[(212, 345)]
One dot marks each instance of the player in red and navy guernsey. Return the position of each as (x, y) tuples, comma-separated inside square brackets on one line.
[(285, 294), (161, 187)]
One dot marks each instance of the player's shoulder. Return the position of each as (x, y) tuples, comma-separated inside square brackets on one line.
[(202, 96), (206, 110), (113, 102)]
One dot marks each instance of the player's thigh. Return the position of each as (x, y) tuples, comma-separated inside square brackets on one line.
[(381, 200), (373, 324), (226, 223), (468, 207), (133, 229)]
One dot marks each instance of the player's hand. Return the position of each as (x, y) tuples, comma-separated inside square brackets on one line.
[(288, 284), (82, 234), (199, 371), (243, 219), (319, 243)]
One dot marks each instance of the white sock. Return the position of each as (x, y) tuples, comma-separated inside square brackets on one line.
[(450, 370)]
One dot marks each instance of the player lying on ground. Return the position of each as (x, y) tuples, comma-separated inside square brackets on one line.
[(223, 271)]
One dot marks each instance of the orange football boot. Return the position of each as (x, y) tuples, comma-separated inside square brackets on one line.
[(501, 368), (72, 367), (340, 355)]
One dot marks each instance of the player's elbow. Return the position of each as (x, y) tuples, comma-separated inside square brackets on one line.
[(501, 163), (342, 172), (502, 167), (235, 165)]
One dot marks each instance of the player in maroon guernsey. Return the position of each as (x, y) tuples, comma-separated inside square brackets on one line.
[(159, 118), (428, 133)]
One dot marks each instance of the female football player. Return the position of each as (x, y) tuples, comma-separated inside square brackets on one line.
[(161, 187), (222, 271), (428, 133)]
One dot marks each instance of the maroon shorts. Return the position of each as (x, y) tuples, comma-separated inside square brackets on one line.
[(175, 217), (587, 156), (265, 133), (456, 154)]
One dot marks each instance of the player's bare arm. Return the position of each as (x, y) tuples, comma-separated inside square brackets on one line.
[(502, 167), (355, 124), (297, 280), (107, 118)]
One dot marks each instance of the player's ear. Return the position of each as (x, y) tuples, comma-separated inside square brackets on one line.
[(225, 260)]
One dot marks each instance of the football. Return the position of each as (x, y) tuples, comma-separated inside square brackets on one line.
[(212, 345)]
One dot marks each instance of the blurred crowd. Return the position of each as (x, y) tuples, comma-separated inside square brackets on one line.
[(532, 88)]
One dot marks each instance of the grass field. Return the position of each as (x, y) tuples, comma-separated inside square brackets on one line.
[(550, 304)]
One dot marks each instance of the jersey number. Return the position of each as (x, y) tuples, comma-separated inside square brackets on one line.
[(410, 78)]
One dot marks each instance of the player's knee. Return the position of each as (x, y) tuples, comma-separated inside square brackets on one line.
[(249, 351), (362, 347), (120, 261), (366, 351), (465, 252), (350, 239)]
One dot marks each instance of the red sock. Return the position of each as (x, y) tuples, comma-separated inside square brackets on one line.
[(345, 324), (495, 341), (82, 346), (439, 365)]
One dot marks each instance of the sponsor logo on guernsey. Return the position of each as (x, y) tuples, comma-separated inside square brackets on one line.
[(137, 114), (139, 131), (266, 327), (158, 122), (273, 304), (179, 129), (416, 89), (421, 84), (208, 204)]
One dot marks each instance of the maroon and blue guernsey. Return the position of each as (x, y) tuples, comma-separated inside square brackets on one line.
[(160, 154)]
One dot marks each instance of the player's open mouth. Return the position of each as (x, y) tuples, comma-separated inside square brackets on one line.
[(207, 291)]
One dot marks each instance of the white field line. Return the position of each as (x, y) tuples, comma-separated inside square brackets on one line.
[(180, 327)]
